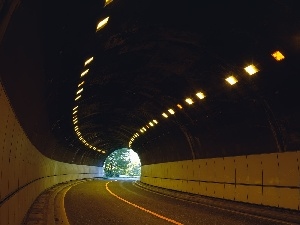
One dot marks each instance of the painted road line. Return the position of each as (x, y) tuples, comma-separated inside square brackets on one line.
[(141, 208)]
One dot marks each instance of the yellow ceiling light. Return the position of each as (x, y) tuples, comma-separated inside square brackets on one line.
[(103, 152), (107, 2), (102, 23), (251, 69), (75, 112), (278, 56), (81, 84), (200, 95), (147, 126), (189, 101), (94, 148), (231, 80), (76, 107), (179, 106), (79, 91), (141, 130), (76, 128), (171, 111), (151, 124), (88, 61), (155, 121), (144, 128), (78, 97), (164, 115), (84, 73), (75, 121)]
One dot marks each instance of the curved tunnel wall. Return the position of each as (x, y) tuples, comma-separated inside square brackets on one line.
[(24, 171), (265, 179)]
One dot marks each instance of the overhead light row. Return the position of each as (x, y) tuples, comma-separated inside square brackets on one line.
[(250, 69), (142, 130), (75, 109), (78, 95)]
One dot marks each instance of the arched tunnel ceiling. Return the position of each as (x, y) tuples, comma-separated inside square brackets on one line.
[(151, 56)]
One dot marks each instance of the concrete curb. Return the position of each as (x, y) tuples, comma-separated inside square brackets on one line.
[(48, 208)]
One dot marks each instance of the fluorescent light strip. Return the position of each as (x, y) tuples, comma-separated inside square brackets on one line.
[(79, 91), (84, 73), (81, 84), (107, 2), (78, 97), (88, 61), (102, 23)]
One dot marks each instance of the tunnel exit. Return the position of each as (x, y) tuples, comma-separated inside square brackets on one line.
[(122, 163)]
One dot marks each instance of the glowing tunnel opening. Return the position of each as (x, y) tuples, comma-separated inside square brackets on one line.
[(122, 163)]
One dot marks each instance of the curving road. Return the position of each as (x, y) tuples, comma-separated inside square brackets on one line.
[(122, 202)]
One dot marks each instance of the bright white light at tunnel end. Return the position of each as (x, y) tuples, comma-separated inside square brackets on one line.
[(134, 158)]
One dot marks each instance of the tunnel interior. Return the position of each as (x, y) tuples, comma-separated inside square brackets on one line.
[(147, 60)]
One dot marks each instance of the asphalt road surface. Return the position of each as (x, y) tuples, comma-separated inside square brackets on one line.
[(122, 202)]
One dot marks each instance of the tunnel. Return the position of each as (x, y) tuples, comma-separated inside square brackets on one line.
[(204, 92)]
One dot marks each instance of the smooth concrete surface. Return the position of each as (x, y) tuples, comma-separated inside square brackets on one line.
[(24, 171), (265, 179)]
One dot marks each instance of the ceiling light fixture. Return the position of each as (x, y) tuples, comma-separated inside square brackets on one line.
[(84, 73), (81, 84), (88, 61), (171, 111), (278, 56), (201, 95), (189, 101), (79, 91), (102, 23), (251, 69), (78, 97), (231, 80), (179, 106), (107, 2)]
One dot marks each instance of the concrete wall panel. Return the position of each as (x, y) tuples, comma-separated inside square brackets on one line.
[(255, 194), (24, 171), (288, 169), (268, 179), (289, 198)]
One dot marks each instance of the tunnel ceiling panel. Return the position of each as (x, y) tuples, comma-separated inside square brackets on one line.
[(153, 57)]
